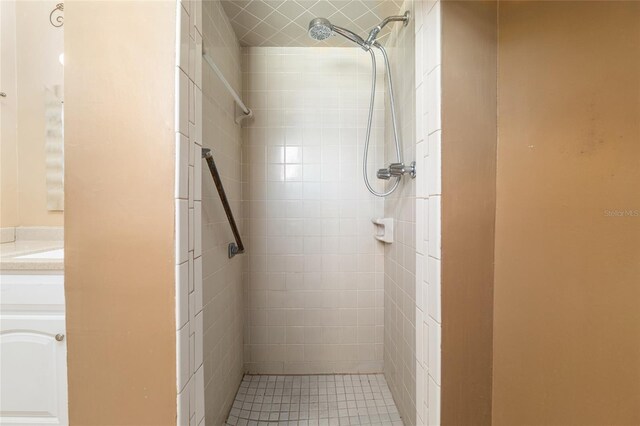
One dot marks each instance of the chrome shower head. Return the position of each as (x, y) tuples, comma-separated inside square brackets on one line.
[(320, 29)]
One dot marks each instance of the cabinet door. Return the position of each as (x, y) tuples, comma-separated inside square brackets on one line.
[(33, 370)]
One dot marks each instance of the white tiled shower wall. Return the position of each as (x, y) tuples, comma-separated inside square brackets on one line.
[(428, 213), (222, 277), (400, 266), (188, 125), (314, 288), (314, 276), (208, 285)]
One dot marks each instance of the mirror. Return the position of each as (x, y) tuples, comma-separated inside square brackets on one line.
[(31, 114)]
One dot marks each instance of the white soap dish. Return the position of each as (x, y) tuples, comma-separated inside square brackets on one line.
[(384, 229)]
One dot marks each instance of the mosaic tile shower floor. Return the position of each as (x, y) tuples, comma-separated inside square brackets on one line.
[(318, 400)]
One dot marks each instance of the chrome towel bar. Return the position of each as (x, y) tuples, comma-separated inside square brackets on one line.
[(237, 247)]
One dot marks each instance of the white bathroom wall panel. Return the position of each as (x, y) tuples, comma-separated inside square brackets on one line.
[(428, 213), (400, 265), (412, 264), (314, 275), (218, 283), (188, 336)]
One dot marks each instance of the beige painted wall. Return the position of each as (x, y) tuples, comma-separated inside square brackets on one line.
[(8, 119), (119, 218), (567, 275), (38, 46), (469, 60)]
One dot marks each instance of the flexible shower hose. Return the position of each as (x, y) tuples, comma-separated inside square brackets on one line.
[(370, 120)]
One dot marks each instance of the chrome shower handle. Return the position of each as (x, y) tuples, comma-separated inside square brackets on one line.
[(397, 170), (383, 174)]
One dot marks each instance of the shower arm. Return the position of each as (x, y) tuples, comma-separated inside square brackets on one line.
[(373, 34)]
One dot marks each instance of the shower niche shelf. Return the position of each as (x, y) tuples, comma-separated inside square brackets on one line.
[(384, 229)]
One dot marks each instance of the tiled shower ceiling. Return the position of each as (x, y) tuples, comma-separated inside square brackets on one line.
[(285, 22)]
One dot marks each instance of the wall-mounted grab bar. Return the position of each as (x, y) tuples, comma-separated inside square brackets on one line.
[(237, 247)]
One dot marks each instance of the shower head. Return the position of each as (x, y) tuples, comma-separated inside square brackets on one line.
[(320, 29)]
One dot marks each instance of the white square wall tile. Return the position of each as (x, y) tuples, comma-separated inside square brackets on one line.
[(192, 102), (434, 355), (425, 219), (197, 280), (434, 226), (182, 45), (420, 278), (183, 407), (182, 357), (434, 297), (192, 17), (420, 114), (418, 58), (192, 143), (433, 395), (197, 174), (192, 56), (198, 355), (198, 228), (182, 231), (192, 277), (420, 393), (433, 100), (192, 311), (192, 352), (198, 12), (421, 179), (192, 397), (192, 185), (419, 336), (432, 39), (192, 230), (182, 99), (420, 244), (182, 294), (434, 167), (198, 118), (199, 394), (419, 15), (426, 332), (186, 4), (182, 164)]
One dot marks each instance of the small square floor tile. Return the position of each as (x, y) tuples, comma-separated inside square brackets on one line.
[(315, 400)]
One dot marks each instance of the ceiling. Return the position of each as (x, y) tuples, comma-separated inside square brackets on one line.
[(285, 22)]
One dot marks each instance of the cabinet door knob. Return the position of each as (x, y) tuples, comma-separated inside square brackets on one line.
[(3, 95), (59, 337)]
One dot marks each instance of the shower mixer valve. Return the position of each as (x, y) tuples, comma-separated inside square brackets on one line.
[(397, 169)]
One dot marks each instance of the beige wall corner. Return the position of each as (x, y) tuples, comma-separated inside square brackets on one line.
[(469, 137), (119, 216), (567, 322)]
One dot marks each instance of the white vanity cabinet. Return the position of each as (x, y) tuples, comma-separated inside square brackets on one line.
[(33, 350)]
